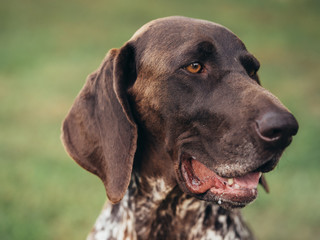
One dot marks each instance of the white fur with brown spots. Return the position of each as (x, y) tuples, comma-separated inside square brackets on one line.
[(166, 213)]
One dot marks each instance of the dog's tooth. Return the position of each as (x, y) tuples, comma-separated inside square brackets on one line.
[(230, 181), (260, 174), (236, 186)]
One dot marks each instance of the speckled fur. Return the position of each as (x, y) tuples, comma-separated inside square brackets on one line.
[(142, 115), (166, 213)]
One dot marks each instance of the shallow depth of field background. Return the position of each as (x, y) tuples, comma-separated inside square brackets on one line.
[(47, 48)]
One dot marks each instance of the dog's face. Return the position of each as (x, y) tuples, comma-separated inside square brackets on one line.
[(198, 94), (183, 100)]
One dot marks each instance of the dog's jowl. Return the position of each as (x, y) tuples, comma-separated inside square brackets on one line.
[(180, 131)]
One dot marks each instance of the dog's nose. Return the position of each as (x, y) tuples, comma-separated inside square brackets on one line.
[(277, 128)]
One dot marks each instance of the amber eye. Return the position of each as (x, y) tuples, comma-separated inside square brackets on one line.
[(252, 73), (194, 67)]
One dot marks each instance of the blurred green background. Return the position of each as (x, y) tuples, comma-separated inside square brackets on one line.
[(47, 48)]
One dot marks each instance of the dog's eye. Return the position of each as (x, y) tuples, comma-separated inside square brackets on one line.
[(252, 73), (194, 67)]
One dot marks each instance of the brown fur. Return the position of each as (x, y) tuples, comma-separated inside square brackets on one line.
[(141, 110)]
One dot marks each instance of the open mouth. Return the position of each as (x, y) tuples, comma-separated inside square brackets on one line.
[(201, 180)]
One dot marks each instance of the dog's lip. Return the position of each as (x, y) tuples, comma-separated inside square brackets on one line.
[(201, 180)]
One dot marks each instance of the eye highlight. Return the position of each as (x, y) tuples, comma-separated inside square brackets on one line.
[(252, 73), (194, 68)]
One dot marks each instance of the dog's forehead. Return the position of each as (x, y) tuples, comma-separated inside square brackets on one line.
[(171, 32), (165, 39)]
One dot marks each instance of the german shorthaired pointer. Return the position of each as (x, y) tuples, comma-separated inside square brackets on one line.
[(179, 129)]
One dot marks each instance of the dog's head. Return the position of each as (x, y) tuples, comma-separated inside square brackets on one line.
[(191, 90)]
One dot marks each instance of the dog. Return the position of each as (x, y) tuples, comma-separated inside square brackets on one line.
[(179, 129)]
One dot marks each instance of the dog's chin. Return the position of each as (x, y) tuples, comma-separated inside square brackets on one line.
[(203, 183)]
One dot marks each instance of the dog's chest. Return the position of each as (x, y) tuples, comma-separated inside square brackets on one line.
[(178, 216)]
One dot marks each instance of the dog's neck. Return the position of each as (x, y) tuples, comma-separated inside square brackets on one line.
[(152, 210)]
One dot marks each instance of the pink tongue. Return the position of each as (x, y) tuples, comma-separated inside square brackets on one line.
[(208, 179), (250, 180)]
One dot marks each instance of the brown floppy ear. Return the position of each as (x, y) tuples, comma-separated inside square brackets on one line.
[(99, 132), (264, 183)]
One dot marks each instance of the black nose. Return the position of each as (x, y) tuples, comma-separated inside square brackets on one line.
[(277, 128)]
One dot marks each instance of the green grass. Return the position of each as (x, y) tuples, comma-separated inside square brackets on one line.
[(47, 48)]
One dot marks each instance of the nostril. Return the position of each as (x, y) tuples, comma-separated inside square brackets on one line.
[(266, 133), (271, 133), (276, 127)]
